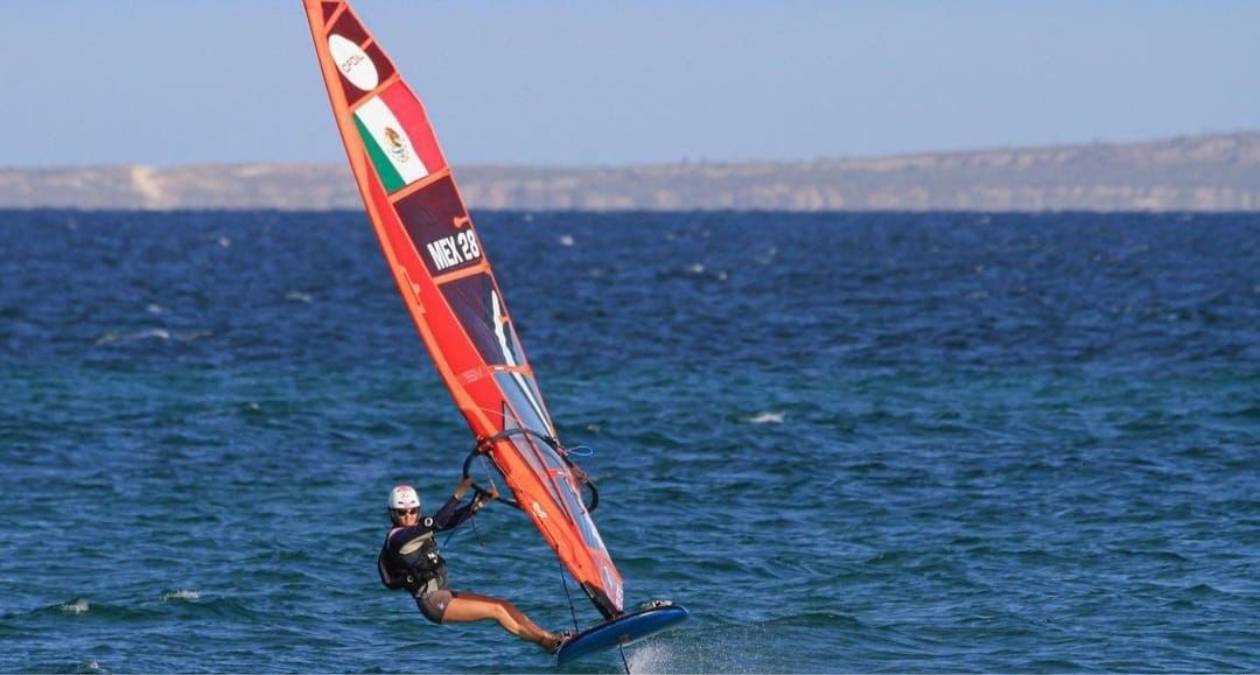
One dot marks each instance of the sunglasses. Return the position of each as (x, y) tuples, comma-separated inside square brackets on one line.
[(406, 512)]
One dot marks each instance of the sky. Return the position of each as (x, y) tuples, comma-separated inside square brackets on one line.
[(596, 82)]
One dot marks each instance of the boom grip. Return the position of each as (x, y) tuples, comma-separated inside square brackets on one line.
[(477, 488)]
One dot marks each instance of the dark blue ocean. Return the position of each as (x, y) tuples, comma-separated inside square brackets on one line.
[(847, 442)]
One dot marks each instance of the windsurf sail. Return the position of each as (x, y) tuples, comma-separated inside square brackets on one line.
[(449, 288)]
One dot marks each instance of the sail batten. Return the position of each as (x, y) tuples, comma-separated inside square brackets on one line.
[(449, 288)]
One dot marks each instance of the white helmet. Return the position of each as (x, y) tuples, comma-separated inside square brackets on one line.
[(403, 497)]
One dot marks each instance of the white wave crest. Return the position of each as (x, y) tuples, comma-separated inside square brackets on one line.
[(79, 606), (148, 334), (768, 417), (183, 595), (160, 334)]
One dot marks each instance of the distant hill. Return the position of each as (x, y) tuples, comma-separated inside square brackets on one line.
[(1218, 172)]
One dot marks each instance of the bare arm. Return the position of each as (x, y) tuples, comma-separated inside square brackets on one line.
[(452, 514)]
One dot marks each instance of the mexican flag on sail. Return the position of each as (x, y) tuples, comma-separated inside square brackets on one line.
[(398, 137)]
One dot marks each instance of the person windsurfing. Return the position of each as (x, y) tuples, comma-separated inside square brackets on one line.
[(409, 560)]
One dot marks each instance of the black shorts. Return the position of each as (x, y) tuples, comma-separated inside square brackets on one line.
[(434, 603)]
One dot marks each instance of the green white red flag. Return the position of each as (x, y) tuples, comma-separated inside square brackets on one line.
[(398, 138)]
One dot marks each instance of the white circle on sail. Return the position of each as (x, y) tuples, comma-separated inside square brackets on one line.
[(354, 63)]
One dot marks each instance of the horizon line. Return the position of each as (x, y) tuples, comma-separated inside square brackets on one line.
[(684, 161)]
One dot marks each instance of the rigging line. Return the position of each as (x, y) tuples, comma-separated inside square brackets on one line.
[(572, 609), (621, 648), (485, 462), (473, 520), (477, 532)]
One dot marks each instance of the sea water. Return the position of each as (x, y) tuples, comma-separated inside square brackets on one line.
[(846, 442)]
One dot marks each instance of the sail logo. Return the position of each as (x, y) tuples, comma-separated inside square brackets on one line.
[(348, 65), (354, 63), (396, 146), (456, 249)]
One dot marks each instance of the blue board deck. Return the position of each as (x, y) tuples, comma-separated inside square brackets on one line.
[(621, 631)]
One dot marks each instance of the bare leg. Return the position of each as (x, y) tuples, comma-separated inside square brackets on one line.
[(473, 607)]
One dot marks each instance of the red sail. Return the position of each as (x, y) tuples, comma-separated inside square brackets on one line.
[(450, 290)]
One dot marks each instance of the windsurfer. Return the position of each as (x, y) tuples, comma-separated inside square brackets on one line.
[(409, 560)]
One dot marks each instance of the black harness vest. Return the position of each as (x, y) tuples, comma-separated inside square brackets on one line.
[(418, 560)]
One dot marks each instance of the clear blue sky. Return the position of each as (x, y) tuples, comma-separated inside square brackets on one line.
[(172, 82)]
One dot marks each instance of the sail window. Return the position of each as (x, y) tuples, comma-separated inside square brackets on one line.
[(473, 301)]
